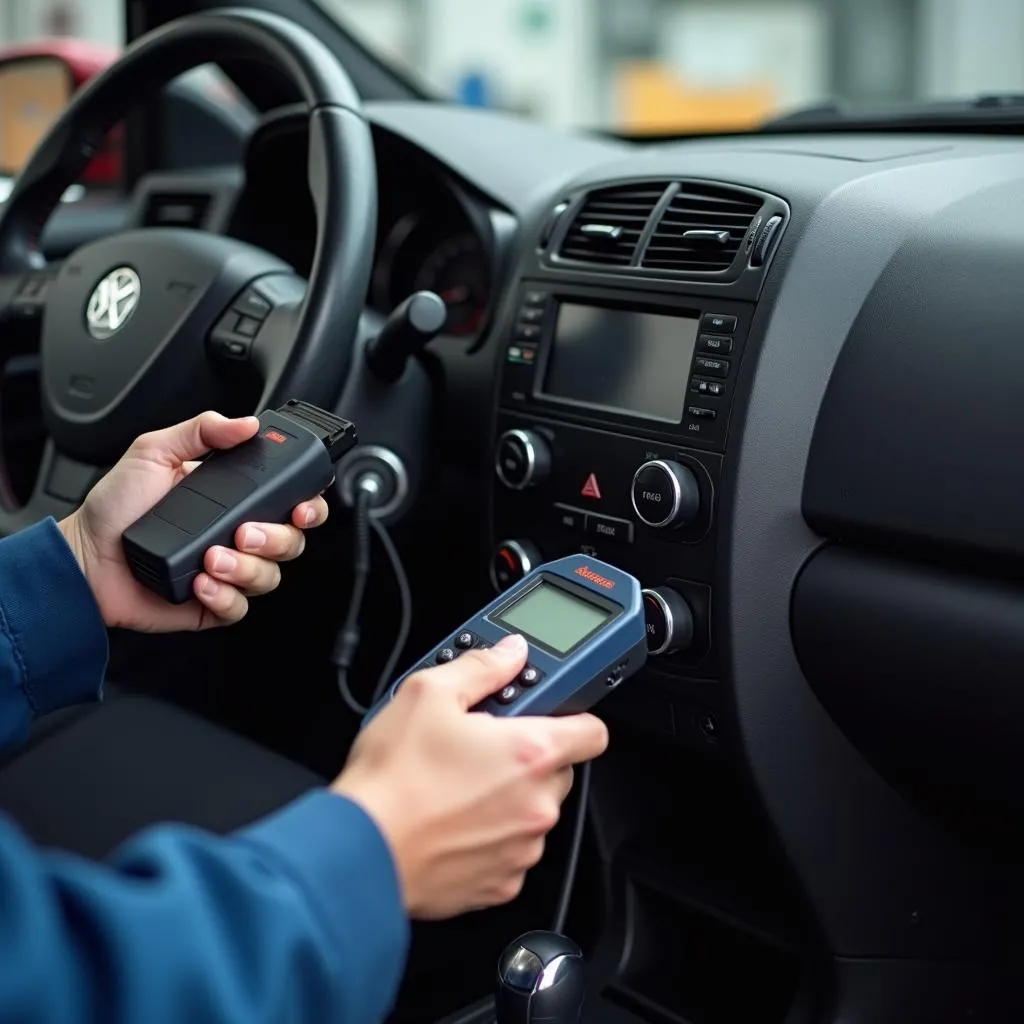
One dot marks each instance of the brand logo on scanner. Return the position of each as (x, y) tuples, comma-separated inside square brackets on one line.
[(593, 577)]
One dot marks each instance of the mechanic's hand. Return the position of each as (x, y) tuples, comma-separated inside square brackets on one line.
[(147, 471), (465, 800)]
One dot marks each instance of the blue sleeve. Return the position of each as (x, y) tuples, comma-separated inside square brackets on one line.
[(298, 918), (53, 642)]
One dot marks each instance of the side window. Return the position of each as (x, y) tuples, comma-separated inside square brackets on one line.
[(51, 48), (48, 49)]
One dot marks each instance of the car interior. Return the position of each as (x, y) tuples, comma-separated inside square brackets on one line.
[(729, 364)]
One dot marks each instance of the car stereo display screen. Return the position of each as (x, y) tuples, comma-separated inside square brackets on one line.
[(553, 617), (621, 361)]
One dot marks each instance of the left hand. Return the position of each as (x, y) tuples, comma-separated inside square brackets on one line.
[(146, 472)]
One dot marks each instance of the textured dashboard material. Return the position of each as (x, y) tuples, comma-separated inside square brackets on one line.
[(921, 431)]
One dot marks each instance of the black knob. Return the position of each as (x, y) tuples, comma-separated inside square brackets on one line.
[(669, 621), (665, 494), (411, 325), (513, 560), (523, 459), (540, 981)]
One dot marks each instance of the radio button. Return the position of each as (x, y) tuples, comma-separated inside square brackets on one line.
[(608, 528), (715, 388), (698, 412), (522, 460), (715, 344), (669, 621), (531, 314), (570, 518), (527, 332), (665, 494), (513, 560), (717, 323), (534, 298), (712, 367)]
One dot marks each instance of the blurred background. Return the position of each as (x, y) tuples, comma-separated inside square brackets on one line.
[(650, 66)]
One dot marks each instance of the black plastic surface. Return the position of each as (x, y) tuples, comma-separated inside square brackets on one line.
[(921, 431), (872, 866), (921, 667), (259, 481)]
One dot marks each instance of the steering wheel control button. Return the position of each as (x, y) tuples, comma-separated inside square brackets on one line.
[(251, 303), (523, 459), (608, 528), (669, 621), (717, 323), (569, 518), (530, 676), (716, 344), (445, 655), (227, 340), (711, 367), (247, 326), (513, 560), (464, 641), (31, 294), (507, 694), (714, 388), (665, 494)]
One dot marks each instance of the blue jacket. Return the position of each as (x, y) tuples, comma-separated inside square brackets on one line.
[(297, 918)]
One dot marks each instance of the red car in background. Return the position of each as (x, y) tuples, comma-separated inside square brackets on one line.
[(82, 61)]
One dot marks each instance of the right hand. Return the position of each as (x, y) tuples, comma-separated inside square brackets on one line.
[(465, 800)]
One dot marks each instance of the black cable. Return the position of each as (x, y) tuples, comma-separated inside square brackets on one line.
[(405, 595), (575, 846), (349, 635), (347, 641)]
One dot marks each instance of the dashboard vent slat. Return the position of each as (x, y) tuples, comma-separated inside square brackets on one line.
[(608, 227), (176, 209), (684, 239)]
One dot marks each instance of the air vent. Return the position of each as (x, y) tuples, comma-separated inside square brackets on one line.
[(609, 226), (701, 230), (176, 209)]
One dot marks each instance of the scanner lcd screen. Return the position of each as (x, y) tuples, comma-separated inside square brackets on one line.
[(553, 617)]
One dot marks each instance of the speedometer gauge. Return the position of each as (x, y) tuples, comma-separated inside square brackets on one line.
[(457, 271)]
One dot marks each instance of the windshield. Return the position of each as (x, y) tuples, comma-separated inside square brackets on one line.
[(681, 66)]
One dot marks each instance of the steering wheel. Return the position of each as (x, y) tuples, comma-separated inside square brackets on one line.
[(147, 327)]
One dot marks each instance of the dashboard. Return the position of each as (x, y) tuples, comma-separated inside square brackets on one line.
[(432, 233), (779, 379)]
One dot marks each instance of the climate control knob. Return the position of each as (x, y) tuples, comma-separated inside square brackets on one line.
[(669, 621), (513, 560), (522, 460), (665, 494)]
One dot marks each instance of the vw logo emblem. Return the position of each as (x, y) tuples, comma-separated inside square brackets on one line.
[(112, 302)]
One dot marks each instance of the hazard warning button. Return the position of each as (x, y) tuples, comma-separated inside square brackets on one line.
[(591, 488)]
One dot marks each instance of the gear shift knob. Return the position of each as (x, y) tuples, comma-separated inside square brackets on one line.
[(540, 980)]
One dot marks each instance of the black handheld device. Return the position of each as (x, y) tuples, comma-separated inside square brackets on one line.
[(289, 460)]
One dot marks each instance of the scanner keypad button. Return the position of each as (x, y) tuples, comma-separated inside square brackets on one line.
[(507, 694), (530, 676), (445, 655)]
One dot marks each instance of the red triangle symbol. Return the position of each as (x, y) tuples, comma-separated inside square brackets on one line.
[(591, 489)]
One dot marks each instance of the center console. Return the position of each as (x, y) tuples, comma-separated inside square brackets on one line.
[(613, 419)]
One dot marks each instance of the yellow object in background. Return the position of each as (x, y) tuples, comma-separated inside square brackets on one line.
[(651, 100)]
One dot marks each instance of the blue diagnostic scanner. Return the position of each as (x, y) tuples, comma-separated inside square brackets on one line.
[(584, 622)]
